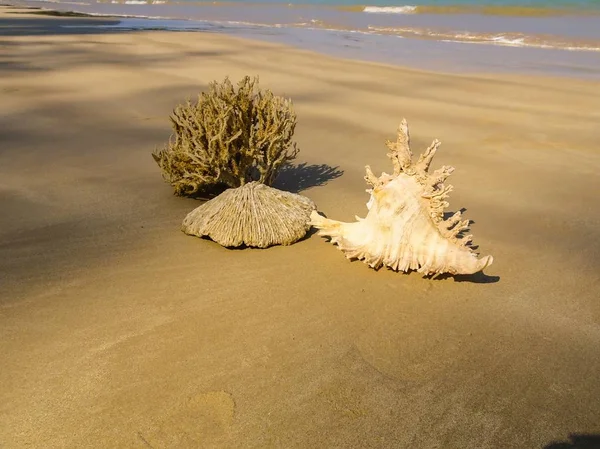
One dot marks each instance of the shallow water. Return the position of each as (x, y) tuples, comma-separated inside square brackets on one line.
[(564, 40)]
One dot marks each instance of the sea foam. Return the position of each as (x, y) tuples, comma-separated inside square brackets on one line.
[(407, 9)]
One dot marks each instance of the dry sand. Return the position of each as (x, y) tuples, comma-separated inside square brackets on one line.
[(119, 331)]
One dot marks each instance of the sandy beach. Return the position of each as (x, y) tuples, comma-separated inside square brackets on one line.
[(117, 330)]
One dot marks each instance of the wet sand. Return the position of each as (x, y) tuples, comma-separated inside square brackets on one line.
[(117, 330)]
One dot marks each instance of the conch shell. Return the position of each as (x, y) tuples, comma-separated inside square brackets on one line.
[(405, 227)]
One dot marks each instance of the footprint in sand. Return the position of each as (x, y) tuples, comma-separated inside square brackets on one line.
[(200, 419)]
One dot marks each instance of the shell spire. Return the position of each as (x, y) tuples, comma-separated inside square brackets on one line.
[(405, 227), (400, 152)]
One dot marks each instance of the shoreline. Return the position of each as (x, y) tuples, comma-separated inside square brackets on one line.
[(497, 47), (118, 330), (115, 24)]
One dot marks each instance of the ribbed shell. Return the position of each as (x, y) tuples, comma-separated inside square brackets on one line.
[(405, 227), (399, 233), (253, 215)]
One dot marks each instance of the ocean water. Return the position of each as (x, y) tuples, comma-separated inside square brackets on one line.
[(556, 37)]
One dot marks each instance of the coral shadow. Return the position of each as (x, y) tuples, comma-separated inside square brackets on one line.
[(296, 178), (291, 178)]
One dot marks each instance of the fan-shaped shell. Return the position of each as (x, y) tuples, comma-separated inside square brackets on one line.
[(253, 215), (405, 227)]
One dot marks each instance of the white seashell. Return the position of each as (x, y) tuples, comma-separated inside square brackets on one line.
[(405, 227), (254, 215)]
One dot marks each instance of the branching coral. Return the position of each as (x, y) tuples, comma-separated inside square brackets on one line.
[(227, 138)]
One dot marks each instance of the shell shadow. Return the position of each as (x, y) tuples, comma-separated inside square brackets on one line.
[(475, 278), (296, 178), (465, 231)]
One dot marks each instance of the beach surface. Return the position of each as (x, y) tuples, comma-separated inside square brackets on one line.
[(487, 39), (119, 331)]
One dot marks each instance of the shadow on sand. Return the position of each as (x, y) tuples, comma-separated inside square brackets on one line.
[(475, 278), (296, 178), (291, 178), (577, 441)]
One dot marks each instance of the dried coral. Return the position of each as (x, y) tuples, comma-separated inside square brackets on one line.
[(405, 227), (227, 138)]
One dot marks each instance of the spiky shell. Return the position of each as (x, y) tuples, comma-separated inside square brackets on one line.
[(405, 227), (253, 215)]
